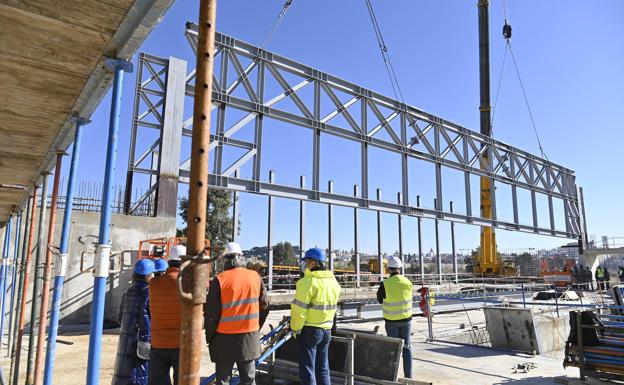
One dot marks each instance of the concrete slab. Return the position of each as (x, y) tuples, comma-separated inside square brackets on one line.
[(51, 65)]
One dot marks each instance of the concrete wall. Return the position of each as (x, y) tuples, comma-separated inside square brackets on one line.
[(126, 232)]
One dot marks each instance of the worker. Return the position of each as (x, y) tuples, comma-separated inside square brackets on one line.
[(165, 308), (607, 279), (160, 266), (132, 360), (582, 278), (575, 277), (312, 318), (587, 277), (395, 296), (235, 310), (621, 274), (599, 278)]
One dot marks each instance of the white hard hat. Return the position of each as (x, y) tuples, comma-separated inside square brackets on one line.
[(176, 252), (231, 248), (394, 262)]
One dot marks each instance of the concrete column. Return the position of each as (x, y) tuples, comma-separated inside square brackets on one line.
[(171, 137)]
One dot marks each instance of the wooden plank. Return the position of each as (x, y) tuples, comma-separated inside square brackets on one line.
[(39, 93), (18, 168), (99, 16), (9, 198), (64, 47), (19, 142)]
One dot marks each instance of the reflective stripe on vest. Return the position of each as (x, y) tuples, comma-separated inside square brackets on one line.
[(398, 302), (240, 308)]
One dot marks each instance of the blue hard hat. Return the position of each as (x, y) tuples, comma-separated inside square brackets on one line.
[(160, 265), (144, 267), (316, 254)]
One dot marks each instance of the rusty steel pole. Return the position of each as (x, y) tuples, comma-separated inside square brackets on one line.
[(20, 290), (27, 266), (193, 276), (35, 299), (47, 272)]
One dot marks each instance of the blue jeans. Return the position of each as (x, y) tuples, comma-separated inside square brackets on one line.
[(313, 348), (403, 330)]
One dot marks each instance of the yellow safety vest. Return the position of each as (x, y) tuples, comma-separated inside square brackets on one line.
[(599, 273), (398, 302), (315, 300)]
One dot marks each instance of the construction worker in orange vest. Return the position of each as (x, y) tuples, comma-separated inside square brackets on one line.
[(235, 310), (164, 304)]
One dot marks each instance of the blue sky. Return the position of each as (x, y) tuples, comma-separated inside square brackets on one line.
[(571, 59)]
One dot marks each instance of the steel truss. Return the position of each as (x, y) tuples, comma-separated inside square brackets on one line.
[(367, 117)]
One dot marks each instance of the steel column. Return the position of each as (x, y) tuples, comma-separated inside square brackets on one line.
[(364, 170), (302, 182), (400, 228), (453, 247), (34, 308), (62, 258), (103, 249), (420, 252), (235, 212), (438, 176), (379, 246), (467, 188), (270, 234), (47, 272), (356, 240), (437, 244), (25, 283), (330, 225)]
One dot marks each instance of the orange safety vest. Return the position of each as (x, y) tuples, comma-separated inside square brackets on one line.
[(240, 296), (164, 303)]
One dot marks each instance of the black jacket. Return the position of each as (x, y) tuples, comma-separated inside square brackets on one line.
[(231, 347), (381, 295)]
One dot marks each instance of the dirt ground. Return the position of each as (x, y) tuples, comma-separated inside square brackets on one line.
[(438, 362)]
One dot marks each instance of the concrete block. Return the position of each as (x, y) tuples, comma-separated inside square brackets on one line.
[(525, 331)]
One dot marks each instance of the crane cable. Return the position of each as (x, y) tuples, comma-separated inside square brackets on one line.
[(268, 37), (276, 23), (394, 81), (526, 100), (507, 37), (500, 81)]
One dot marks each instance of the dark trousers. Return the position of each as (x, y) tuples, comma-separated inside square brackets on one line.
[(246, 371), (403, 330), (313, 347), (161, 362)]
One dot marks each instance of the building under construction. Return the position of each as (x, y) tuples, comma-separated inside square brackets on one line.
[(208, 112)]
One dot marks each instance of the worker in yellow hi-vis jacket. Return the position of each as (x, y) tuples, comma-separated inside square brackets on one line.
[(312, 317), (396, 298)]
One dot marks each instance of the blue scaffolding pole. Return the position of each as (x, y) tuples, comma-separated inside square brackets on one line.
[(3, 272), (103, 249), (13, 273), (61, 261)]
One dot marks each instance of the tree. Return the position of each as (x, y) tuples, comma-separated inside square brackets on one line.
[(219, 226), (284, 254)]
